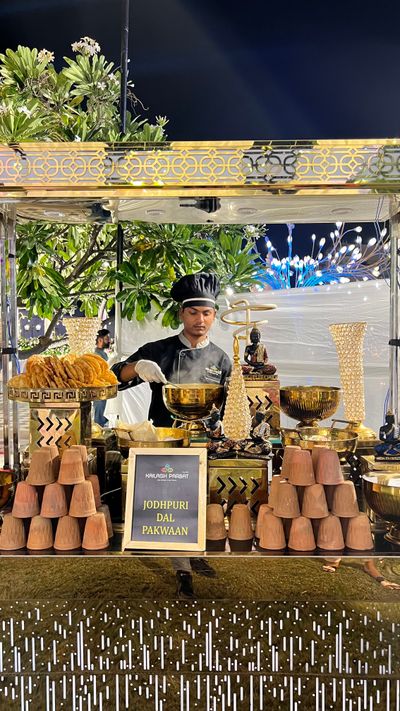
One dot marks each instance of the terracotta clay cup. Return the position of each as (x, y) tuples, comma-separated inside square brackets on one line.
[(55, 455), (257, 499), (95, 536), (287, 504), (301, 535), (215, 528), (82, 500), (315, 452), (106, 511), (12, 535), (328, 469), (330, 534), (41, 471), (240, 530), (272, 535), (54, 503), (287, 456), (345, 500), (275, 481), (300, 469), (71, 467), (26, 501), (96, 489), (359, 537), (82, 449), (40, 536), (262, 511), (314, 502), (68, 537)]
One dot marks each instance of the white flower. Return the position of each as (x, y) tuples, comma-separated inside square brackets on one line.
[(4, 109), (101, 85), (77, 138), (24, 110), (86, 46), (45, 56)]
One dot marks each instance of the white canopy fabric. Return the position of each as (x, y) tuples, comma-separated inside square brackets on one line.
[(297, 339)]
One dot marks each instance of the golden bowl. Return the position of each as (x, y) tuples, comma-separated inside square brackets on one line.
[(382, 494), (192, 401), (342, 441), (309, 403), (167, 437)]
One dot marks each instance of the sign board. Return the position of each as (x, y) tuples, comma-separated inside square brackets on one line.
[(166, 499)]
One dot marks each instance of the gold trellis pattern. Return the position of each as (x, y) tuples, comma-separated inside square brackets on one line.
[(69, 167)]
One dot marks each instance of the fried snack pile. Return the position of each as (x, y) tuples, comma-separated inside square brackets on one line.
[(70, 371)]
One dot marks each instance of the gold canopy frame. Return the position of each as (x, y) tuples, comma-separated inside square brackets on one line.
[(222, 182)]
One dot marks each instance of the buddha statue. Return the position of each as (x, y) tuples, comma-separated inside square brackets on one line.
[(389, 446), (256, 355)]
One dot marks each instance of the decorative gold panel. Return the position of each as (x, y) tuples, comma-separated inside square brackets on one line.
[(287, 164)]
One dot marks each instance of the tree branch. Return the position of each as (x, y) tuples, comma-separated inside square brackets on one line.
[(43, 344), (44, 341)]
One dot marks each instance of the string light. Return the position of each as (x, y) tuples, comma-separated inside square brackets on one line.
[(347, 257)]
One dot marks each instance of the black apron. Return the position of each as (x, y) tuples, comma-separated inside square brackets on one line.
[(179, 364)]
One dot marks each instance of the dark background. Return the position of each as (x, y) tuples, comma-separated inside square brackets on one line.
[(240, 70), (223, 69)]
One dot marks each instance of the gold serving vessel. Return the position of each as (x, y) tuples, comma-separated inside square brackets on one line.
[(309, 403), (342, 441), (166, 437), (47, 396), (192, 401), (382, 494)]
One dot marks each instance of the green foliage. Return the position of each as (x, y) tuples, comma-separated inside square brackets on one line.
[(160, 254), (78, 103), (59, 265), (26, 344)]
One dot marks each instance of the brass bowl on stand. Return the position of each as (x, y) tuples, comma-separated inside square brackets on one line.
[(192, 401), (167, 437), (382, 494), (309, 403), (341, 440)]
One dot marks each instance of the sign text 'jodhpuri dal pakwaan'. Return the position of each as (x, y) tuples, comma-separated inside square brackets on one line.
[(166, 499)]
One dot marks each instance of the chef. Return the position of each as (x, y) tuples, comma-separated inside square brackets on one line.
[(189, 357)]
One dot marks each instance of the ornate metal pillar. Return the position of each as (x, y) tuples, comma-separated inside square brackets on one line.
[(4, 340), (393, 403)]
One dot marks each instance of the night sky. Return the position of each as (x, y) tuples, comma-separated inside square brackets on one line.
[(222, 69), (240, 70)]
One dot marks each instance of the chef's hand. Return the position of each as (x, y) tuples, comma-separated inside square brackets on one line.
[(150, 372)]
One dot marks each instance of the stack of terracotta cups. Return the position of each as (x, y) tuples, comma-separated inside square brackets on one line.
[(312, 506), (58, 505)]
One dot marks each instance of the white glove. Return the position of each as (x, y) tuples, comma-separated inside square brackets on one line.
[(150, 372)]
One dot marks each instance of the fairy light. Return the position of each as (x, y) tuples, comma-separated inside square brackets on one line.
[(347, 257)]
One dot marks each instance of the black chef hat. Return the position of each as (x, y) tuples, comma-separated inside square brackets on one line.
[(199, 289)]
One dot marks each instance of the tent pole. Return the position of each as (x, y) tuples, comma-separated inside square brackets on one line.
[(122, 110), (13, 320), (124, 63), (393, 403), (4, 339)]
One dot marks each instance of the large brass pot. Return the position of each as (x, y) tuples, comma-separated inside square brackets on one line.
[(382, 494), (309, 403), (167, 437), (342, 441), (192, 401)]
